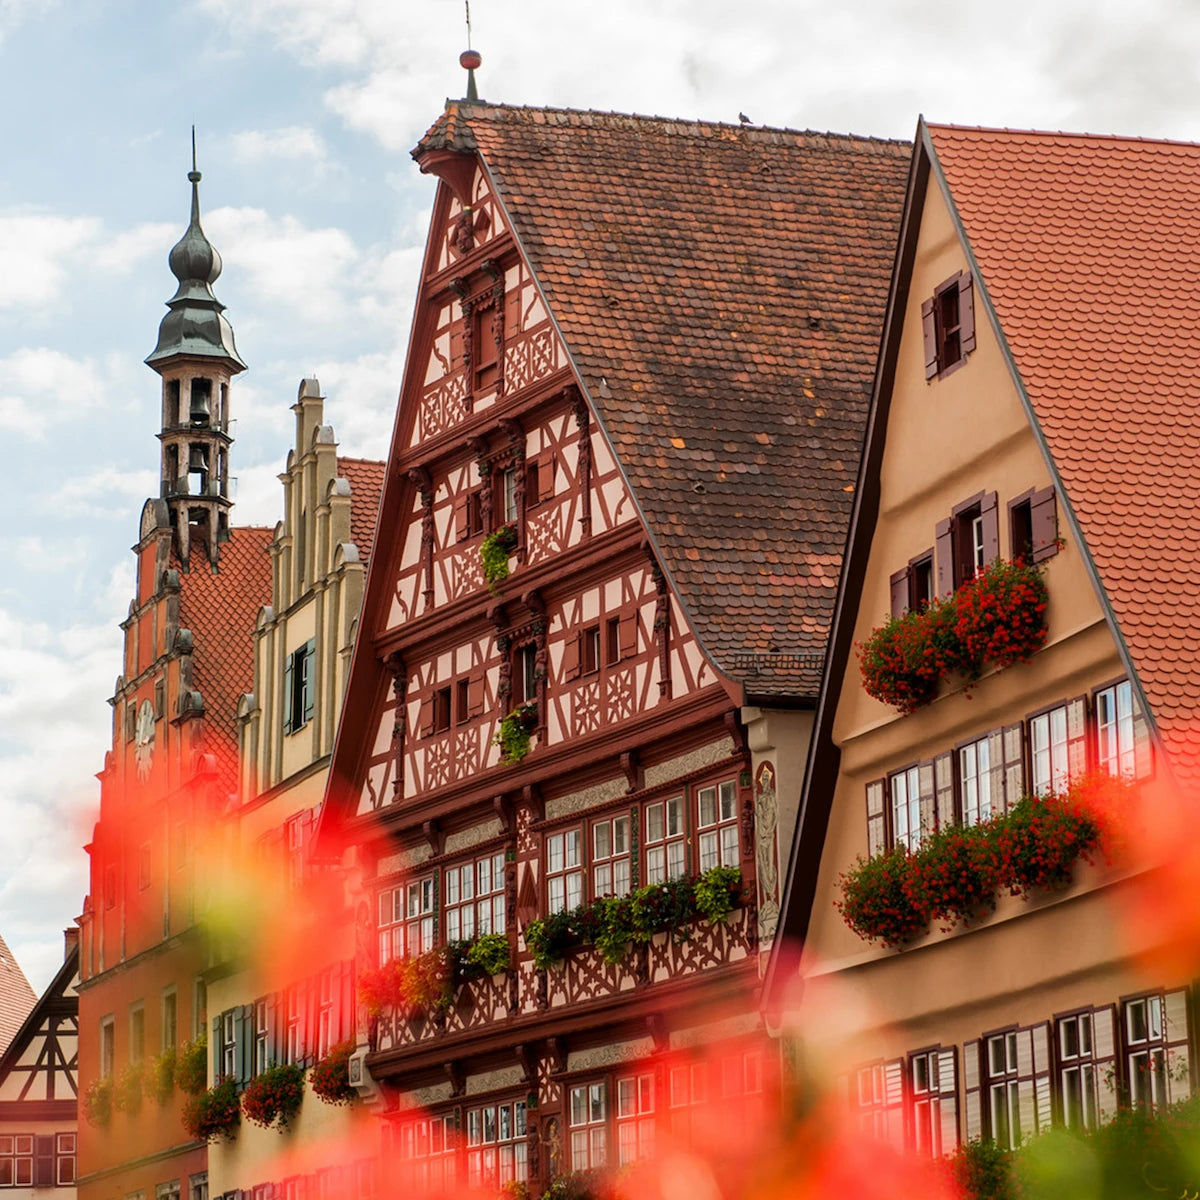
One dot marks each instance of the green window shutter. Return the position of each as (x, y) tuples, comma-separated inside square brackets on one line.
[(244, 1041), (310, 670), (288, 705)]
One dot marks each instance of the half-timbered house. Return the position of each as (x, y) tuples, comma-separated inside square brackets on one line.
[(610, 535), (38, 1107), (166, 781), (1032, 420)]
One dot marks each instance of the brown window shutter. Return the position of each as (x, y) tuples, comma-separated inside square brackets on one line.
[(947, 1086), (893, 1102), (943, 781), (944, 539), (627, 632), (1179, 1082), (456, 345), (1143, 747), (425, 717), (989, 512), (475, 695), (512, 312), (929, 329), (876, 830), (43, 1162), (462, 520), (1025, 1088), (546, 473), (1077, 737), (925, 777), (966, 313), (898, 583), (972, 1102), (1043, 514), (1042, 1079), (1014, 765), (1104, 1036), (571, 656)]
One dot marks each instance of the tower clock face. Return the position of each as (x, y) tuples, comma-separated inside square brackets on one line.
[(144, 746)]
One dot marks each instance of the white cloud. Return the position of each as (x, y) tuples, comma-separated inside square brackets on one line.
[(41, 387), (36, 250), (292, 142), (105, 492)]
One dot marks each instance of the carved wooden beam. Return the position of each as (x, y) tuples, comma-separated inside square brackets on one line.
[(528, 1058), (634, 776), (434, 835), (419, 477), (502, 806), (396, 667), (531, 797), (656, 1026), (583, 423), (557, 1048), (456, 1077), (736, 731)]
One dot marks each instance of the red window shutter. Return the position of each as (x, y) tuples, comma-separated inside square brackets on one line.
[(485, 340), (989, 512), (1013, 742), (425, 717), (972, 1105), (546, 472), (944, 542), (876, 831), (929, 330), (943, 782), (627, 632), (462, 519), (43, 1162), (1077, 737), (925, 783), (1104, 1034), (1042, 1081), (966, 313), (475, 695), (898, 583), (571, 656), (947, 1086), (512, 312), (1043, 514)]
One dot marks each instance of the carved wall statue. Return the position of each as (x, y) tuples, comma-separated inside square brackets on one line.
[(766, 820)]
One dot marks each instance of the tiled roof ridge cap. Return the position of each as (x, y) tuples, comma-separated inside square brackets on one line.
[(252, 529), (354, 458), (466, 109), (1074, 135)]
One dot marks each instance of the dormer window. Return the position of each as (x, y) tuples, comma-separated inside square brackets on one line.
[(948, 324)]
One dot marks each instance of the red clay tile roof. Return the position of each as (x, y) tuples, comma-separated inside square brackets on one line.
[(728, 286), (17, 997), (1089, 248), (365, 476), (220, 609)]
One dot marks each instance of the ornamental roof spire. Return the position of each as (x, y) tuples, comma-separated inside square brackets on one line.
[(195, 325)]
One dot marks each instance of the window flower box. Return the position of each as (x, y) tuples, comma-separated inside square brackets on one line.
[(274, 1096), (330, 1077), (215, 1113)]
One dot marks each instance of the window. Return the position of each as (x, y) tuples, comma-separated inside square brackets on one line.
[(167, 1191), (468, 515), (1050, 749), (635, 1118), (507, 491), (906, 808), (588, 1126), (424, 1150), (590, 650), (1033, 525), (262, 1036), (198, 1186), (611, 863), (933, 1099), (717, 823), (475, 898), (326, 1012), (295, 1032), (1155, 1029), (441, 710), (913, 587), (564, 871), (1003, 1090), (228, 1046), (64, 1159), (137, 1033), (199, 1008), (406, 919), (948, 324), (525, 680), (539, 479), (299, 686), (496, 1146), (975, 781), (665, 858), (16, 1160), (169, 1019), (1122, 739), (462, 704), (1076, 1072), (607, 642)]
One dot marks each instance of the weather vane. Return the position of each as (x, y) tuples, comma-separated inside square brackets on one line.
[(469, 59), (468, 4)]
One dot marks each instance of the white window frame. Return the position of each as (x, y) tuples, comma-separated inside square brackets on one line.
[(612, 858), (564, 870), (717, 822), (587, 1114), (975, 781), (904, 798), (665, 840)]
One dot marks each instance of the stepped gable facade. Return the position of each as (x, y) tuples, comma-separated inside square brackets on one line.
[(609, 539)]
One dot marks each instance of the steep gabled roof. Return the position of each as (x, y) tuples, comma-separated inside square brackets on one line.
[(1089, 251), (61, 989), (17, 997), (720, 290), (365, 476), (220, 609)]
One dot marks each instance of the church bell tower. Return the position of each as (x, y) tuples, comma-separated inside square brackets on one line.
[(196, 358)]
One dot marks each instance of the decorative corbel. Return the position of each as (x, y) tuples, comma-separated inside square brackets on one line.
[(483, 464), (656, 1026), (634, 776), (527, 1057), (583, 423), (557, 1048), (395, 666), (531, 798), (502, 806), (736, 732), (420, 478), (456, 1077), (434, 835)]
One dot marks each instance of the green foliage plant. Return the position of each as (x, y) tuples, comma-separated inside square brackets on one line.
[(130, 1085), (493, 554), (717, 892), (191, 1066), (215, 1113), (515, 734), (161, 1076), (330, 1076), (98, 1102), (487, 954), (274, 1096)]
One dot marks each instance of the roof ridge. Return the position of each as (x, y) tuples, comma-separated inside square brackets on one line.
[(353, 458), (1078, 135), (466, 109)]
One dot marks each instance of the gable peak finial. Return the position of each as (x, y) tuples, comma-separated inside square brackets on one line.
[(469, 59)]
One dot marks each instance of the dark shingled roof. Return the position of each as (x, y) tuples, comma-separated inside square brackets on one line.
[(721, 291)]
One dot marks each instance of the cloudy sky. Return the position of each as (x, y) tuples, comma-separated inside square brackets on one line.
[(305, 112)]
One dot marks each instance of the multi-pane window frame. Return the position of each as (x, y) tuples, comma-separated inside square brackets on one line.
[(565, 868), (16, 1160), (1081, 1072), (909, 805), (66, 1147), (973, 762), (931, 1094), (264, 1032), (665, 837), (198, 1186), (1120, 732), (137, 1031), (473, 895), (587, 1123), (495, 1139), (634, 1115), (1155, 1047), (407, 917), (108, 1031), (427, 1148), (1008, 1084), (1056, 739), (447, 705), (610, 842), (718, 840), (168, 1024)]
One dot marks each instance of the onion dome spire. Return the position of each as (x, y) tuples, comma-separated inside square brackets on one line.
[(195, 325)]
